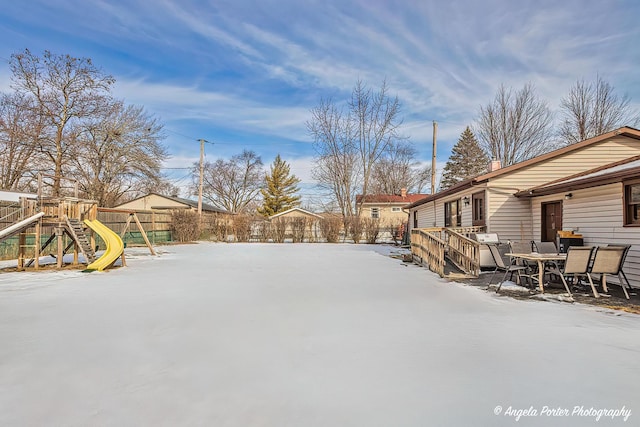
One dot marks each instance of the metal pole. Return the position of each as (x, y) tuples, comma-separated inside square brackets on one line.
[(433, 158), (201, 176)]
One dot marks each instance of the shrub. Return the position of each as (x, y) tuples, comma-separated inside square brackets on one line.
[(330, 228), (263, 230), (299, 228), (185, 225), (279, 229), (217, 227), (355, 226), (242, 227), (371, 227)]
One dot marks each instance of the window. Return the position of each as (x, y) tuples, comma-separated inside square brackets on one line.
[(415, 219), (452, 217), (632, 204), (375, 212), (396, 209), (478, 206)]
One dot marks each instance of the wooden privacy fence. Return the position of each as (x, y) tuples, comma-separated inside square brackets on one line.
[(156, 225)]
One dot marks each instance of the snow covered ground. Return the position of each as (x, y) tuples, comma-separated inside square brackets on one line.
[(302, 335)]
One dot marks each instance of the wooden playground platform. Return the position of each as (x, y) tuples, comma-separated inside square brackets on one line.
[(67, 223)]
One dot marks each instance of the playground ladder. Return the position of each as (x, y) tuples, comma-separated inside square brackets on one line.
[(76, 230)]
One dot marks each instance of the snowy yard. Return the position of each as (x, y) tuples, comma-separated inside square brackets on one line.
[(302, 335)]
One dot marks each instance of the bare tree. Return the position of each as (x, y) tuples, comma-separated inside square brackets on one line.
[(398, 169), (161, 185), (516, 126), (422, 179), (376, 115), (349, 144), (233, 184), (591, 109), (20, 131), (118, 152), (64, 91), (336, 163)]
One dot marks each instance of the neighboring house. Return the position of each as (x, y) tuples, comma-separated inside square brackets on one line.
[(158, 202), (490, 200), (530, 200), (387, 207), (296, 213), (312, 229)]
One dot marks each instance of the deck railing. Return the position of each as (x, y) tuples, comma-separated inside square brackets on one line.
[(463, 252), (430, 245)]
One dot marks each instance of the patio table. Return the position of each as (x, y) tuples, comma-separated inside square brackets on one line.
[(540, 259)]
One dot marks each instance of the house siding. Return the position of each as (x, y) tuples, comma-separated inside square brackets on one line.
[(426, 217), (509, 216), (147, 202), (605, 152), (512, 218), (385, 211), (597, 214)]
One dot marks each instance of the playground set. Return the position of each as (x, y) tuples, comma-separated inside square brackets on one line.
[(71, 225)]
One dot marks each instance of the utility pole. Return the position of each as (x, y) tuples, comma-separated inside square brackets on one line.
[(202, 141), (433, 158)]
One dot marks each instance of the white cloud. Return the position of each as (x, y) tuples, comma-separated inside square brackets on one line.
[(175, 102)]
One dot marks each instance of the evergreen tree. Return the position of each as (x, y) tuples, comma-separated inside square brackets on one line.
[(280, 189), (466, 161)]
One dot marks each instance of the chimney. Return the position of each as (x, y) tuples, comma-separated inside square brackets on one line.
[(494, 165), (403, 192)]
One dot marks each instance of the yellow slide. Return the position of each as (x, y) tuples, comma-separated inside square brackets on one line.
[(115, 247)]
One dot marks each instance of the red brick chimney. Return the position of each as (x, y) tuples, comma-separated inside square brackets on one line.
[(494, 165)]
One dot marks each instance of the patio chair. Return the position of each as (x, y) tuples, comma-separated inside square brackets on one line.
[(575, 266), (502, 266), (609, 260), (545, 247), (531, 267)]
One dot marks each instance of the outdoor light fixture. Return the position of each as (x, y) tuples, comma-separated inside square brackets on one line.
[(568, 196), (466, 200)]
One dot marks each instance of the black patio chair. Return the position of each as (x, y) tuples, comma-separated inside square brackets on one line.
[(502, 266), (609, 260)]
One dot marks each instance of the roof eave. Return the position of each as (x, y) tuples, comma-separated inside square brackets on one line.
[(623, 131), (595, 181), (449, 191)]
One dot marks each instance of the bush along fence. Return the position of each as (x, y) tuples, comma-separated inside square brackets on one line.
[(186, 226)]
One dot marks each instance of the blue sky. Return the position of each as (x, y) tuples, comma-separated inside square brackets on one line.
[(244, 74)]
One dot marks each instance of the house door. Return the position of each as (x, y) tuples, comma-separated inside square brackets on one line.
[(551, 221)]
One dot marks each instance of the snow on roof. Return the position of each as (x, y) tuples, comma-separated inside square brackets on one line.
[(14, 196)]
